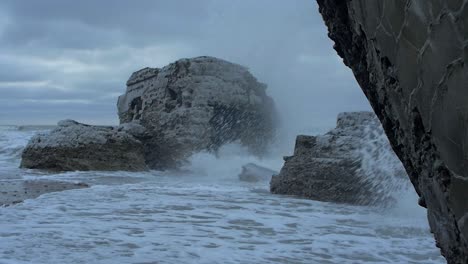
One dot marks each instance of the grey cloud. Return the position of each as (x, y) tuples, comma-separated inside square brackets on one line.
[(85, 51), (88, 24)]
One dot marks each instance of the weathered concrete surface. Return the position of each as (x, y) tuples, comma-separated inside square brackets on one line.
[(16, 191), (254, 173), (198, 104), (75, 146), (409, 57), (330, 167)]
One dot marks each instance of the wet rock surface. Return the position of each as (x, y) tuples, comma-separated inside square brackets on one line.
[(330, 167), (198, 104), (166, 115), (74, 146), (254, 173), (409, 58), (16, 191)]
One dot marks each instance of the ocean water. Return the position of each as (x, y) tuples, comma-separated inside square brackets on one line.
[(200, 214)]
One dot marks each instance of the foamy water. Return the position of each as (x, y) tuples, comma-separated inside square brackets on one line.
[(202, 214)]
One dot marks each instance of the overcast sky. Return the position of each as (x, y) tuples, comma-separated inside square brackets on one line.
[(70, 59)]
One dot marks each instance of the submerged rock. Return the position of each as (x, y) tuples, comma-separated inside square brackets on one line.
[(410, 59), (16, 191), (329, 167), (198, 104), (75, 146), (254, 173)]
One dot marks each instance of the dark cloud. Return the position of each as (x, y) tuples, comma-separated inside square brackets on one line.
[(90, 24), (70, 59)]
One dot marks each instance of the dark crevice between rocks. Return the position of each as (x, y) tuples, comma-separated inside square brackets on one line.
[(136, 106), (172, 94), (418, 126)]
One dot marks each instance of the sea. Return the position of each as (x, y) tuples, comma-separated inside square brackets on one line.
[(201, 213)]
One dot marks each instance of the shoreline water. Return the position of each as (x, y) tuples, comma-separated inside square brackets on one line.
[(202, 214)]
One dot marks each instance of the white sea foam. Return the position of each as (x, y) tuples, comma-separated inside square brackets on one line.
[(203, 214)]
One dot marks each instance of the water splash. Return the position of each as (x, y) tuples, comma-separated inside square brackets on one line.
[(381, 168), (12, 142), (227, 162)]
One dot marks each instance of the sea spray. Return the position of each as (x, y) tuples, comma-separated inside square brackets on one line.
[(227, 162), (381, 168), (12, 142)]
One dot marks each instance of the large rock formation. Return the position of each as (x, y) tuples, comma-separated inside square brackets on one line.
[(197, 104), (188, 106), (331, 167), (409, 58), (74, 146)]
